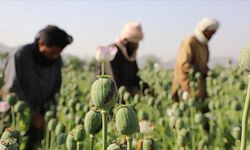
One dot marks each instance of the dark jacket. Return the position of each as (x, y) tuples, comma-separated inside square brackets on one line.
[(125, 72), (32, 77)]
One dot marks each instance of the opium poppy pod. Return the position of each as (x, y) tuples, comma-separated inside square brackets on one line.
[(93, 122), (116, 146), (11, 99), (126, 121), (78, 133), (60, 128), (52, 124), (244, 61), (61, 139), (19, 106), (9, 144), (70, 143), (149, 144), (236, 132), (10, 133), (104, 93)]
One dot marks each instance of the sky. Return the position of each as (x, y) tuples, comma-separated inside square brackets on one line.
[(92, 23)]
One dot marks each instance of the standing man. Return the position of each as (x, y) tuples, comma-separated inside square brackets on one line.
[(123, 67), (194, 54), (33, 73)]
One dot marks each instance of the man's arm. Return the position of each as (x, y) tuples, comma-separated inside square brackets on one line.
[(58, 82), (11, 78)]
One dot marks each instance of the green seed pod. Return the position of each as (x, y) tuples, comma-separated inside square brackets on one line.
[(211, 105), (78, 120), (9, 144), (244, 60), (61, 102), (69, 117), (70, 143), (66, 111), (172, 121), (142, 115), (175, 106), (126, 96), (86, 108), (11, 99), (19, 106), (217, 105), (61, 139), (49, 115), (141, 84), (7, 118), (161, 122), (191, 102), (178, 112), (202, 143), (136, 98), (192, 84), (198, 118), (179, 124), (78, 133), (93, 122), (181, 140), (183, 132), (72, 103), (126, 121), (183, 106), (149, 144), (121, 90), (103, 93), (197, 75), (52, 124), (60, 128), (190, 72), (10, 133), (236, 133), (146, 92), (79, 107), (151, 101), (236, 106), (116, 146)]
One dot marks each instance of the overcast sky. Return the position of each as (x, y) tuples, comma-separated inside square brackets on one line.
[(93, 23)]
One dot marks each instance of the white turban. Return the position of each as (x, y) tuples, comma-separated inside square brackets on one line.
[(205, 24), (208, 24), (132, 31)]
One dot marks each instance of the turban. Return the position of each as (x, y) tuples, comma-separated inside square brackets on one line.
[(132, 31), (205, 24), (208, 24)]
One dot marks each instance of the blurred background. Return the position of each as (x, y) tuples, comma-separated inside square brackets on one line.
[(92, 23)]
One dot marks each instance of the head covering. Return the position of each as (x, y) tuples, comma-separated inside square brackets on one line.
[(54, 36), (132, 31), (205, 24)]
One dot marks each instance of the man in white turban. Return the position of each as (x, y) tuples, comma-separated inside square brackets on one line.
[(123, 67), (194, 55)]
